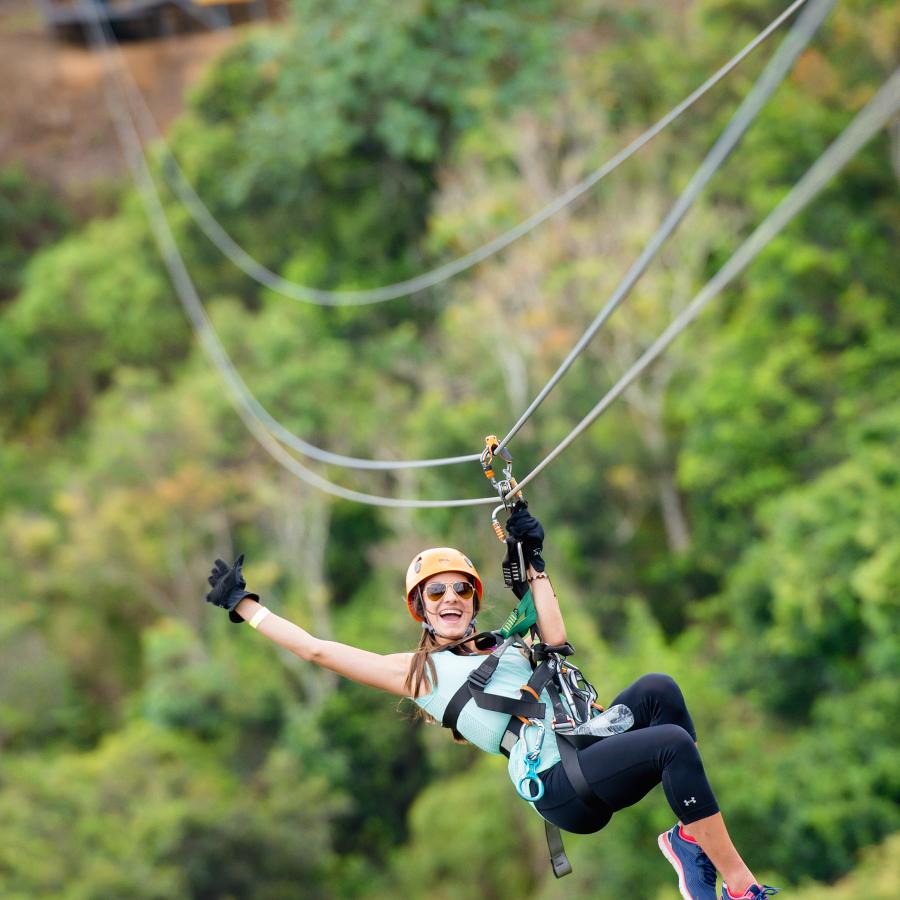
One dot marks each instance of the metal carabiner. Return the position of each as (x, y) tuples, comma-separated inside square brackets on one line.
[(506, 486), (532, 761), (499, 530)]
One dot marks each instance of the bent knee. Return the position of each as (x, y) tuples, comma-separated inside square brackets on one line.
[(677, 739), (661, 685)]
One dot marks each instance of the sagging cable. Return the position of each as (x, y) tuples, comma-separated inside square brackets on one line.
[(263, 275)]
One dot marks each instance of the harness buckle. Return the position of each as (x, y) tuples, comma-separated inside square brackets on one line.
[(563, 725), (480, 679)]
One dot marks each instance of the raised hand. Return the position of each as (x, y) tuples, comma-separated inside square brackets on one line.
[(228, 587), (523, 527)]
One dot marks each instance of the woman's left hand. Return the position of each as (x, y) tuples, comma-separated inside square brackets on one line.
[(523, 527)]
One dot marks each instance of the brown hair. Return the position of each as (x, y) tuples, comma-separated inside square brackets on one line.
[(422, 663)]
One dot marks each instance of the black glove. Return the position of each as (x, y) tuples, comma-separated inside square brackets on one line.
[(523, 527), (228, 587)]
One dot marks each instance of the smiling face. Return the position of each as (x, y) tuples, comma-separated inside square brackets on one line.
[(449, 614)]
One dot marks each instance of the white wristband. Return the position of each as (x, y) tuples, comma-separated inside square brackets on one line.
[(258, 616)]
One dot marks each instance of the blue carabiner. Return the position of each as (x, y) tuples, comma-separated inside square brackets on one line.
[(532, 761), (524, 789)]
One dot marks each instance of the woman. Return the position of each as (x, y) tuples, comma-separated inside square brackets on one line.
[(443, 592)]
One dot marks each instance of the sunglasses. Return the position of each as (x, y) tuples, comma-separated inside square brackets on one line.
[(465, 590)]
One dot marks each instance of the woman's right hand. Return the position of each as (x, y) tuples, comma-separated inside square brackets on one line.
[(228, 587)]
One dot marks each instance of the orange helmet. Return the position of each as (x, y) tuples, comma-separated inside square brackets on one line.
[(431, 562)]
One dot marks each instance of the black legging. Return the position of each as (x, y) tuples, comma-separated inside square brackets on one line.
[(660, 747)]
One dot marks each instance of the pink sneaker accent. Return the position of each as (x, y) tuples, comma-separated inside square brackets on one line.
[(755, 891)]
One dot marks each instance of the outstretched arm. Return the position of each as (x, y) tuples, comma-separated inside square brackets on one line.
[(229, 592), (385, 672)]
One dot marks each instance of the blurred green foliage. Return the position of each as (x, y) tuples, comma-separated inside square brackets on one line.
[(30, 218), (733, 520)]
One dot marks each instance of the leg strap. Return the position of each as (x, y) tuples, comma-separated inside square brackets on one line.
[(572, 768), (558, 858)]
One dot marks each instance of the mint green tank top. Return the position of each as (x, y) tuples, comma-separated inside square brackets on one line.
[(482, 727)]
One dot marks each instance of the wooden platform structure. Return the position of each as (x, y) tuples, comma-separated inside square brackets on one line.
[(136, 19)]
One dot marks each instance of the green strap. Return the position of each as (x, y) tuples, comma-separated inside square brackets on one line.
[(522, 618)]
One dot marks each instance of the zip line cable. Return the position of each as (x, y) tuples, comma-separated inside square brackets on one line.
[(102, 44), (772, 75), (187, 294), (880, 109), (885, 104), (217, 234)]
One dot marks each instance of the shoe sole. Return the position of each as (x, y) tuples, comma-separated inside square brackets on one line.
[(665, 847)]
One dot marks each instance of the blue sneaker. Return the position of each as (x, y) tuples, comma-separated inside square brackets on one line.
[(696, 873), (754, 892)]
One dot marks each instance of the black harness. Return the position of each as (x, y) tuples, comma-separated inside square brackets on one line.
[(553, 674)]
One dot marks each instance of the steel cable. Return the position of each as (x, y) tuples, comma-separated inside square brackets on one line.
[(774, 73), (771, 76), (878, 111), (248, 409), (215, 232), (884, 105), (104, 45)]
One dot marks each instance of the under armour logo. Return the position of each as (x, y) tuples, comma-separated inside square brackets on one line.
[(689, 802)]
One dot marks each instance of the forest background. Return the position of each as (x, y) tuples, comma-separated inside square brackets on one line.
[(733, 521)]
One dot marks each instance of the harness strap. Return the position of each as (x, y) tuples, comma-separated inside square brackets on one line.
[(512, 706), (541, 680), (541, 651), (473, 689), (558, 858), (568, 752), (510, 736), (568, 755), (572, 767), (451, 714), (561, 716)]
